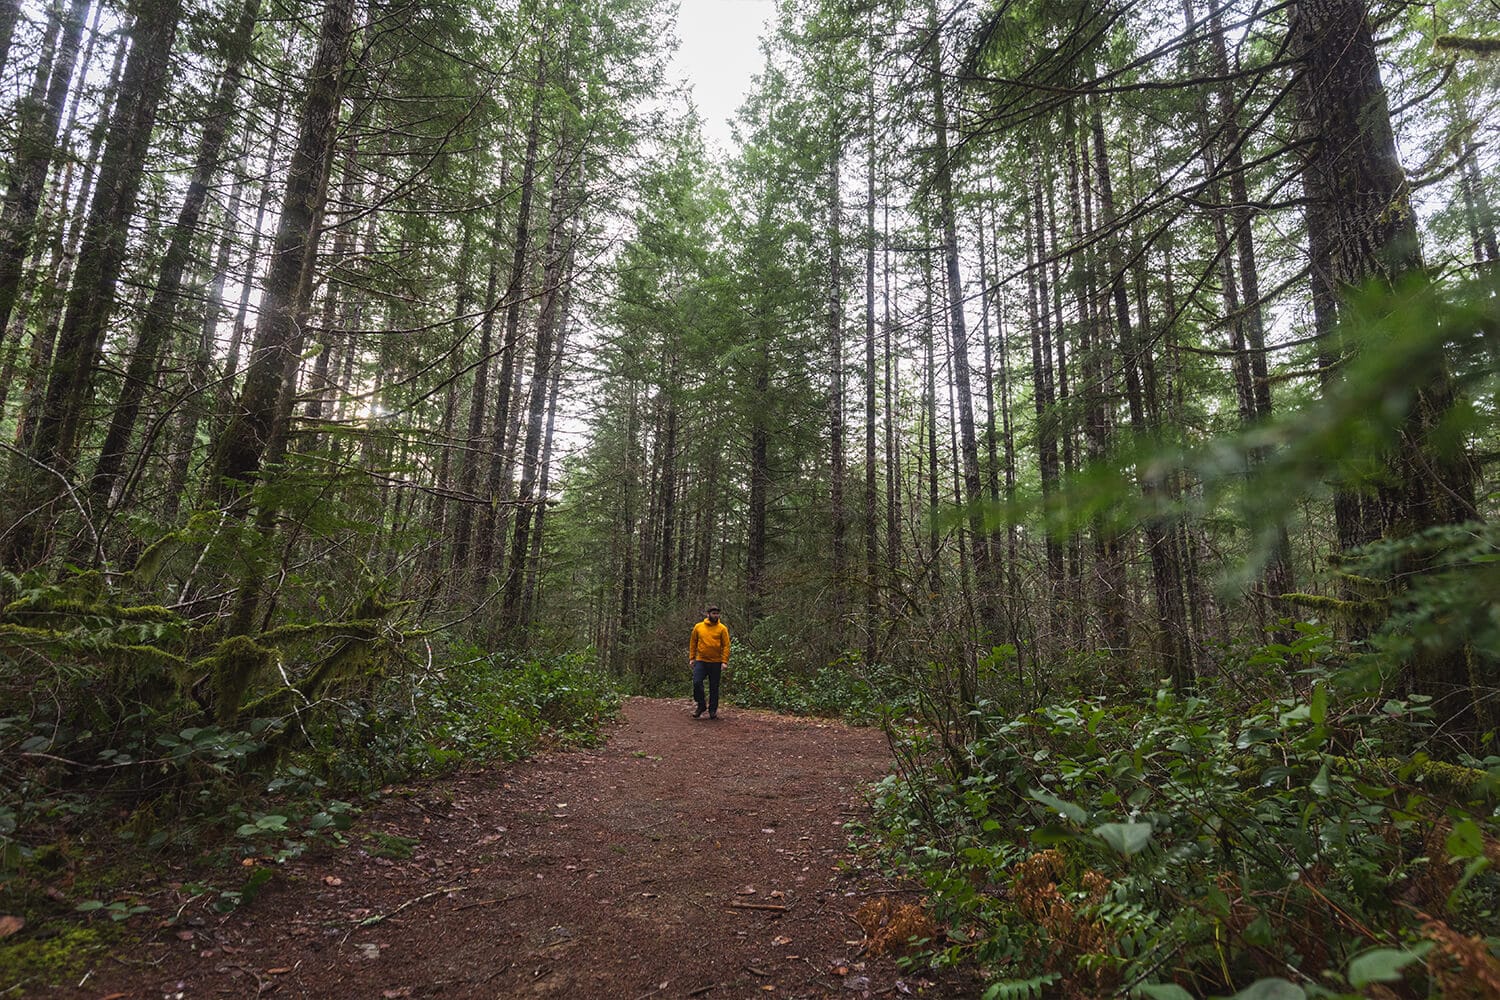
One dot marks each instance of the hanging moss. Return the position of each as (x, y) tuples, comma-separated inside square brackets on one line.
[(233, 666), (1365, 611), (152, 557), (1480, 47)]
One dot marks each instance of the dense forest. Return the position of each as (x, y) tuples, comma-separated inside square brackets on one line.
[(1100, 394)]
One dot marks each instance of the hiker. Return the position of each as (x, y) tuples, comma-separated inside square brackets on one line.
[(708, 653)]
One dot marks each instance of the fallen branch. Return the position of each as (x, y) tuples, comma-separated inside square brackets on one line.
[(768, 907), (699, 990), (379, 917)]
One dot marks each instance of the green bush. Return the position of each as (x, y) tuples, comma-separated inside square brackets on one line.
[(766, 679), (1176, 844)]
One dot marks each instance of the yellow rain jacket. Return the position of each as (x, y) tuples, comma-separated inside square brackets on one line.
[(710, 643)]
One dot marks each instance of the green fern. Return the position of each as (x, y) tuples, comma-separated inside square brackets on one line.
[(1020, 989)]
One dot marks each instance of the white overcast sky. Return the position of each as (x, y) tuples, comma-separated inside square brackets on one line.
[(719, 53)]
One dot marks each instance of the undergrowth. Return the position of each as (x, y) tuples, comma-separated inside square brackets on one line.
[(844, 688), (131, 739), (1171, 847)]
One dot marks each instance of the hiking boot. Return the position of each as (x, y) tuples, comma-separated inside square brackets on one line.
[(700, 712), (713, 715)]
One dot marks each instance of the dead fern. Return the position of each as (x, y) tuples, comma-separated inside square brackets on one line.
[(1463, 966), (890, 928)]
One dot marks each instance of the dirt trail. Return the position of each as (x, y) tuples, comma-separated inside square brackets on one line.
[(627, 871)]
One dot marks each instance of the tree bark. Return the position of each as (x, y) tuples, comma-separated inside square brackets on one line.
[(1361, 221), (487, 560), (871, 495), (39, 115), (161, 313), (834, 331), (10, 16), (958, 334), (100, 260), (554, 276), (243, 443)]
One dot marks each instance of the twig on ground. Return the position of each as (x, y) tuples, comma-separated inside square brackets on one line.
[(653, 993), (768, 907), (379, 917), (700, 990)]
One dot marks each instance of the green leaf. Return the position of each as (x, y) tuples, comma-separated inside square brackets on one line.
[(1271, 989), (1466, 840), (1127, 838), (1319, 705), (1320, 783), (1073, 812), (1051, 834), (1165, 991), (1383, 965)]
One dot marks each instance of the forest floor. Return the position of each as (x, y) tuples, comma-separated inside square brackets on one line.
[(682, 858)]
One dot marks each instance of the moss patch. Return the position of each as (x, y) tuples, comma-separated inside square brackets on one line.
[(55, 955)]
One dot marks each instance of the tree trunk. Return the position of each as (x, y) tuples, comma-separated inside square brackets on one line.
[(871, 496), (10, 16), (1043, 401), (243, 443), (1360, 198), (534, 563), (1116, 624), (555, 269), (101, 256), (487, 560), (760, 474), (161, 313), (958, 335), (51, 282), (835, 346), (39, 114), (478, 400)]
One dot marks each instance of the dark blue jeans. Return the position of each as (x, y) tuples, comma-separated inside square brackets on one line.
[(702, 669)]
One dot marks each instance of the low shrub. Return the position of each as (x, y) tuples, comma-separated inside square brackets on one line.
[(1173, 847), (766, 679)]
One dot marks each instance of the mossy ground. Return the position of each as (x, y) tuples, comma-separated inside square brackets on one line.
[(57, 953)]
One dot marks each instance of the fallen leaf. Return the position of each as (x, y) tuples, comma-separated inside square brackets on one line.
[(404, 991), (777, 894), (768, 829), (114, 996), (748, 890), (9, 925), (781, 939), (185, 935), (370, 951), (279, 972), (857, 983), (332, 880)]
